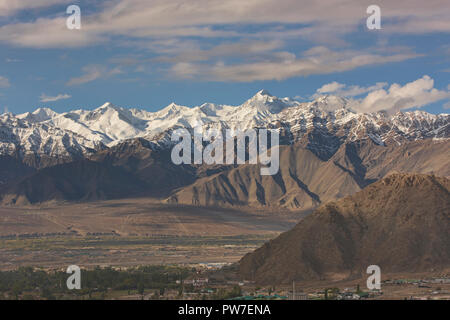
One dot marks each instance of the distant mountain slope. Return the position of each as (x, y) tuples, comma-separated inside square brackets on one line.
[(12, 169), (303, 182), (425, 156), (328, 150), (82, 180), (308, 178), (140, 158), (401, 223), (131, 168)]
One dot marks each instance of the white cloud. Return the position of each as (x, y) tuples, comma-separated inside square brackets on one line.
[(416, 94), (47, 33), (446, 105), (45, 98), (438, 22), (323, 20), (90, 74), (93, 72), (331, 87), (4, 82), (12, 60), (168, 27), (8, 7), (344, 90), (280, 66), (189, 51)]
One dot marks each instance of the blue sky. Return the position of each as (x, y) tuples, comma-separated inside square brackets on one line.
[(147, 54)]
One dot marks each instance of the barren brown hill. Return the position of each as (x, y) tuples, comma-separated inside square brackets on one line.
[(129, 169), (308, 178), (153, 166), (12, 169), (303, 182), (83, 180), (400, 223), (366, 159)]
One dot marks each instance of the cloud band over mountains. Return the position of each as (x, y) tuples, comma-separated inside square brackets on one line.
[(414, 94)]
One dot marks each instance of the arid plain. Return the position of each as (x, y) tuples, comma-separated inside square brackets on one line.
[(133, 232)]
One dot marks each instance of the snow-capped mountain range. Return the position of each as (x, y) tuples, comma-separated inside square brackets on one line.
[(83, 132)]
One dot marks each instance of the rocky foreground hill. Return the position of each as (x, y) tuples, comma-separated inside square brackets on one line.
[(400, 223)]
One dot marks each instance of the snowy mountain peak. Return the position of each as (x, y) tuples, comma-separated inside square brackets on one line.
[(174, 106), (81, 131), (263, 102), (330, 103), (109, 107), (39, 115), (263, 96), (264, 92), (44, 111), (171, 109), (106, 105)]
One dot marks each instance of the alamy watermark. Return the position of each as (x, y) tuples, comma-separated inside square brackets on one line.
[(374, 280), (374, 20), (191, 148), (73, 22), (74, 281)]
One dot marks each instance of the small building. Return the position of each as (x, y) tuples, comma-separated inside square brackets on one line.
[(297, 296), (195, 282), (441, 280)]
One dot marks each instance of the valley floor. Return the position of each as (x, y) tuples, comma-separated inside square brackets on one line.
[(133, 232)]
